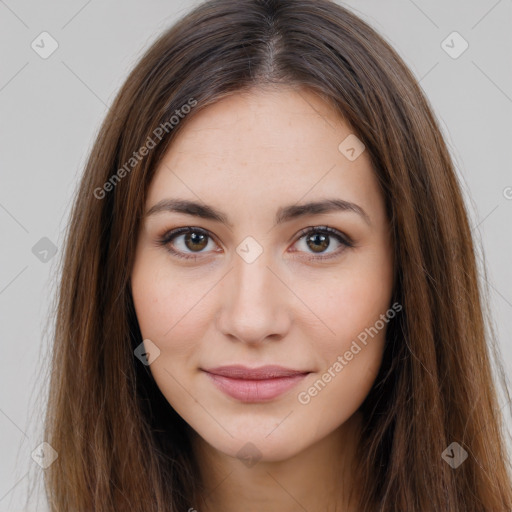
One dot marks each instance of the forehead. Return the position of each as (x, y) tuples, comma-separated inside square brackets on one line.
[(284, 122), (278, 144)]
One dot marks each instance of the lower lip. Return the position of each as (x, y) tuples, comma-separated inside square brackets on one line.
[(264, 390)]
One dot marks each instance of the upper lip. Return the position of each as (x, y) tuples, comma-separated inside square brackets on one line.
[(263, 372)]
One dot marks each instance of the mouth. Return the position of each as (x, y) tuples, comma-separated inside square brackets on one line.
[(255, 384)]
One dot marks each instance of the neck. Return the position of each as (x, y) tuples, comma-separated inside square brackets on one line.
[(317, 479)]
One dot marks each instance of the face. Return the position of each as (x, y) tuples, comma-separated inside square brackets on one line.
[(269, 315)]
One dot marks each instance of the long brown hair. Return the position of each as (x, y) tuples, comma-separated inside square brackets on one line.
[(121, 446)]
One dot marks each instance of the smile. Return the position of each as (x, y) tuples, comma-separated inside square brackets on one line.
[(255, 385)]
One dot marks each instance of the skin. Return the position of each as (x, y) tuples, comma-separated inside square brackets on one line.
[(248, 155)]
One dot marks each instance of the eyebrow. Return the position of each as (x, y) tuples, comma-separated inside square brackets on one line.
[(284, 214)]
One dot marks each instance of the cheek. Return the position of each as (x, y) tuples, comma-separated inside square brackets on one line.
[(168, 313), (348, 301), (167, 306), (352, 303), (351, 361)]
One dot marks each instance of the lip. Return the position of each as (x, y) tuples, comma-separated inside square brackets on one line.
[(255, 384)]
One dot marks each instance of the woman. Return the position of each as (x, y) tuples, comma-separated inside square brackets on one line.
[(269, 298)]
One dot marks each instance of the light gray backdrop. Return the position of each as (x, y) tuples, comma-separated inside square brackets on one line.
[(52, 104)]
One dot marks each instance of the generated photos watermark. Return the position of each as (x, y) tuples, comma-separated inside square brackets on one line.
[(151, 143), (304, 397)]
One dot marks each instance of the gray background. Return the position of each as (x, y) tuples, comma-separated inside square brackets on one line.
[(51, 110)]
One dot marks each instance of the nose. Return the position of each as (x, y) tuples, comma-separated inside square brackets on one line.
[(254, 303)]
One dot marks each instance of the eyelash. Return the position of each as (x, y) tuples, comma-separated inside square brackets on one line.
[(169, 236)]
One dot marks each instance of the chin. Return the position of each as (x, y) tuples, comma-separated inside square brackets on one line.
[(253, 445)]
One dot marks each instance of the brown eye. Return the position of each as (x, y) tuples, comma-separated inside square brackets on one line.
[(191, 243), (187, 243), (196, 241), (317, 242)]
